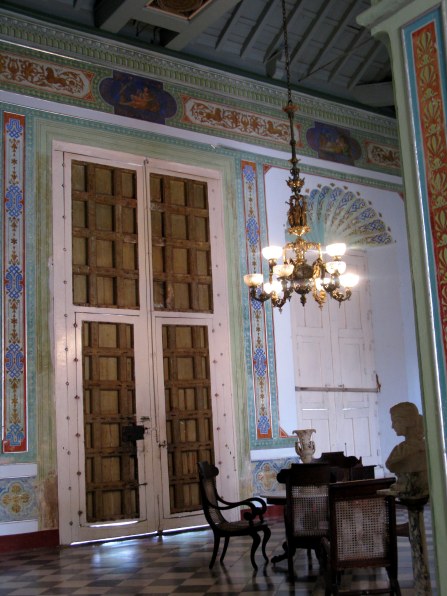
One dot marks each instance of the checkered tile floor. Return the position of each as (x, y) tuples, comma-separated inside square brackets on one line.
[(177, 564)]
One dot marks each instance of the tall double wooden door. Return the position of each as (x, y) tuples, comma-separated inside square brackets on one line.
[(139, 349)]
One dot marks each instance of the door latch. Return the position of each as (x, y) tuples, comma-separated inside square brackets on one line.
[(132, 433)]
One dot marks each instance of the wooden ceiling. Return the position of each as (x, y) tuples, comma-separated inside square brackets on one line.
[(331, 54)]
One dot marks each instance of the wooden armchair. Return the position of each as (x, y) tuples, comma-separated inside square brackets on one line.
[(362, 533), (306, 511), (214, 507)]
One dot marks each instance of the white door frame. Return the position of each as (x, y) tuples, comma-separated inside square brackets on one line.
[(68, 397)]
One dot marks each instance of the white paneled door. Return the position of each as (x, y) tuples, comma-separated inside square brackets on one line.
[(335, 377)]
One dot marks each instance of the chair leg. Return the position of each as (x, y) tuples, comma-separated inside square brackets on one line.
[(291, 550), (254, 546), (394, 583), (267, 534), (309, 557), (215, 549), (227, 540)]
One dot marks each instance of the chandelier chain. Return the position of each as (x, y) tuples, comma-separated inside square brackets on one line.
[(286, 51)]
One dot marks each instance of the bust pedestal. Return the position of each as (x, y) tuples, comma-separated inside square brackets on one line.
[(416, 526), (418, 542)]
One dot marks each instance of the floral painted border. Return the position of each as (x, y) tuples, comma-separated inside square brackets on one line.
[(13, 291), (426, 57), (259, 364)]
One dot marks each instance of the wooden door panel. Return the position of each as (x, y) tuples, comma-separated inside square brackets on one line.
[(181, 247), (188, 410), (112, 484), (104, 236)]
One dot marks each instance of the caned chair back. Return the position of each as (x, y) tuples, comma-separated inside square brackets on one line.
[(308, 507), (306, 510), (362, 530)]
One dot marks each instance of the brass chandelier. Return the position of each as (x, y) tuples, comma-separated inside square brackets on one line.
[(294, 273)]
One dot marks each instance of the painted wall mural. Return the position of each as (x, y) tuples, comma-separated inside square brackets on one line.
[(240, 122), (45, 75), (138, 97), (162, 97), (424, 45), (333, 143), (382, 155), (13, 290)]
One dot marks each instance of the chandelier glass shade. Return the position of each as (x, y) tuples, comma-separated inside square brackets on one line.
[(289, 271)]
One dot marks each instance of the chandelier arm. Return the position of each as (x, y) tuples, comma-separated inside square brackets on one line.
[(340, 297), (259, 296)]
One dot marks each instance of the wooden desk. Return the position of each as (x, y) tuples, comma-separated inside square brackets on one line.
[(278, 498)]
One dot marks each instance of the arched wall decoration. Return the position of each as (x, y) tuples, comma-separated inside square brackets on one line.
[(335, 214), (339, 215)]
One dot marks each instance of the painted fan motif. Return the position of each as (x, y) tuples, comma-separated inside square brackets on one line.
[(338, 215)]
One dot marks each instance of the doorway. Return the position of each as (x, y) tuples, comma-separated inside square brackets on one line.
[(138, 344)]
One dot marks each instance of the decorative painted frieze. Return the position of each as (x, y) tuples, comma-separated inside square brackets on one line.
[(207, 100), (214, 116), (45, 75), (385, 156)]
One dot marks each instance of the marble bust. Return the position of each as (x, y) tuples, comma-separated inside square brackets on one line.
[(408, 459)]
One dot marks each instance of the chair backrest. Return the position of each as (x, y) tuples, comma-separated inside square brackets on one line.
[(307, 500), (208, 493), (362, 524)]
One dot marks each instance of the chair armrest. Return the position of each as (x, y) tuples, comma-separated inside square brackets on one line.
[(255, 510), (251, 503)]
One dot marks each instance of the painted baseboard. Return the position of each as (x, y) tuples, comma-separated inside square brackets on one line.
[(28, 541)]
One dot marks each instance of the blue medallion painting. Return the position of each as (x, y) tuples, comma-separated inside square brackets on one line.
[(138, 97), (333, 143)]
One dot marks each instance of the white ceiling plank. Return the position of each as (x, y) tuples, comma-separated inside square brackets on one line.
[(378, 47), (310, 35), (230, 25), (258, 28), (360, 39), (332, 39), (210, 14), (278, 41)]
